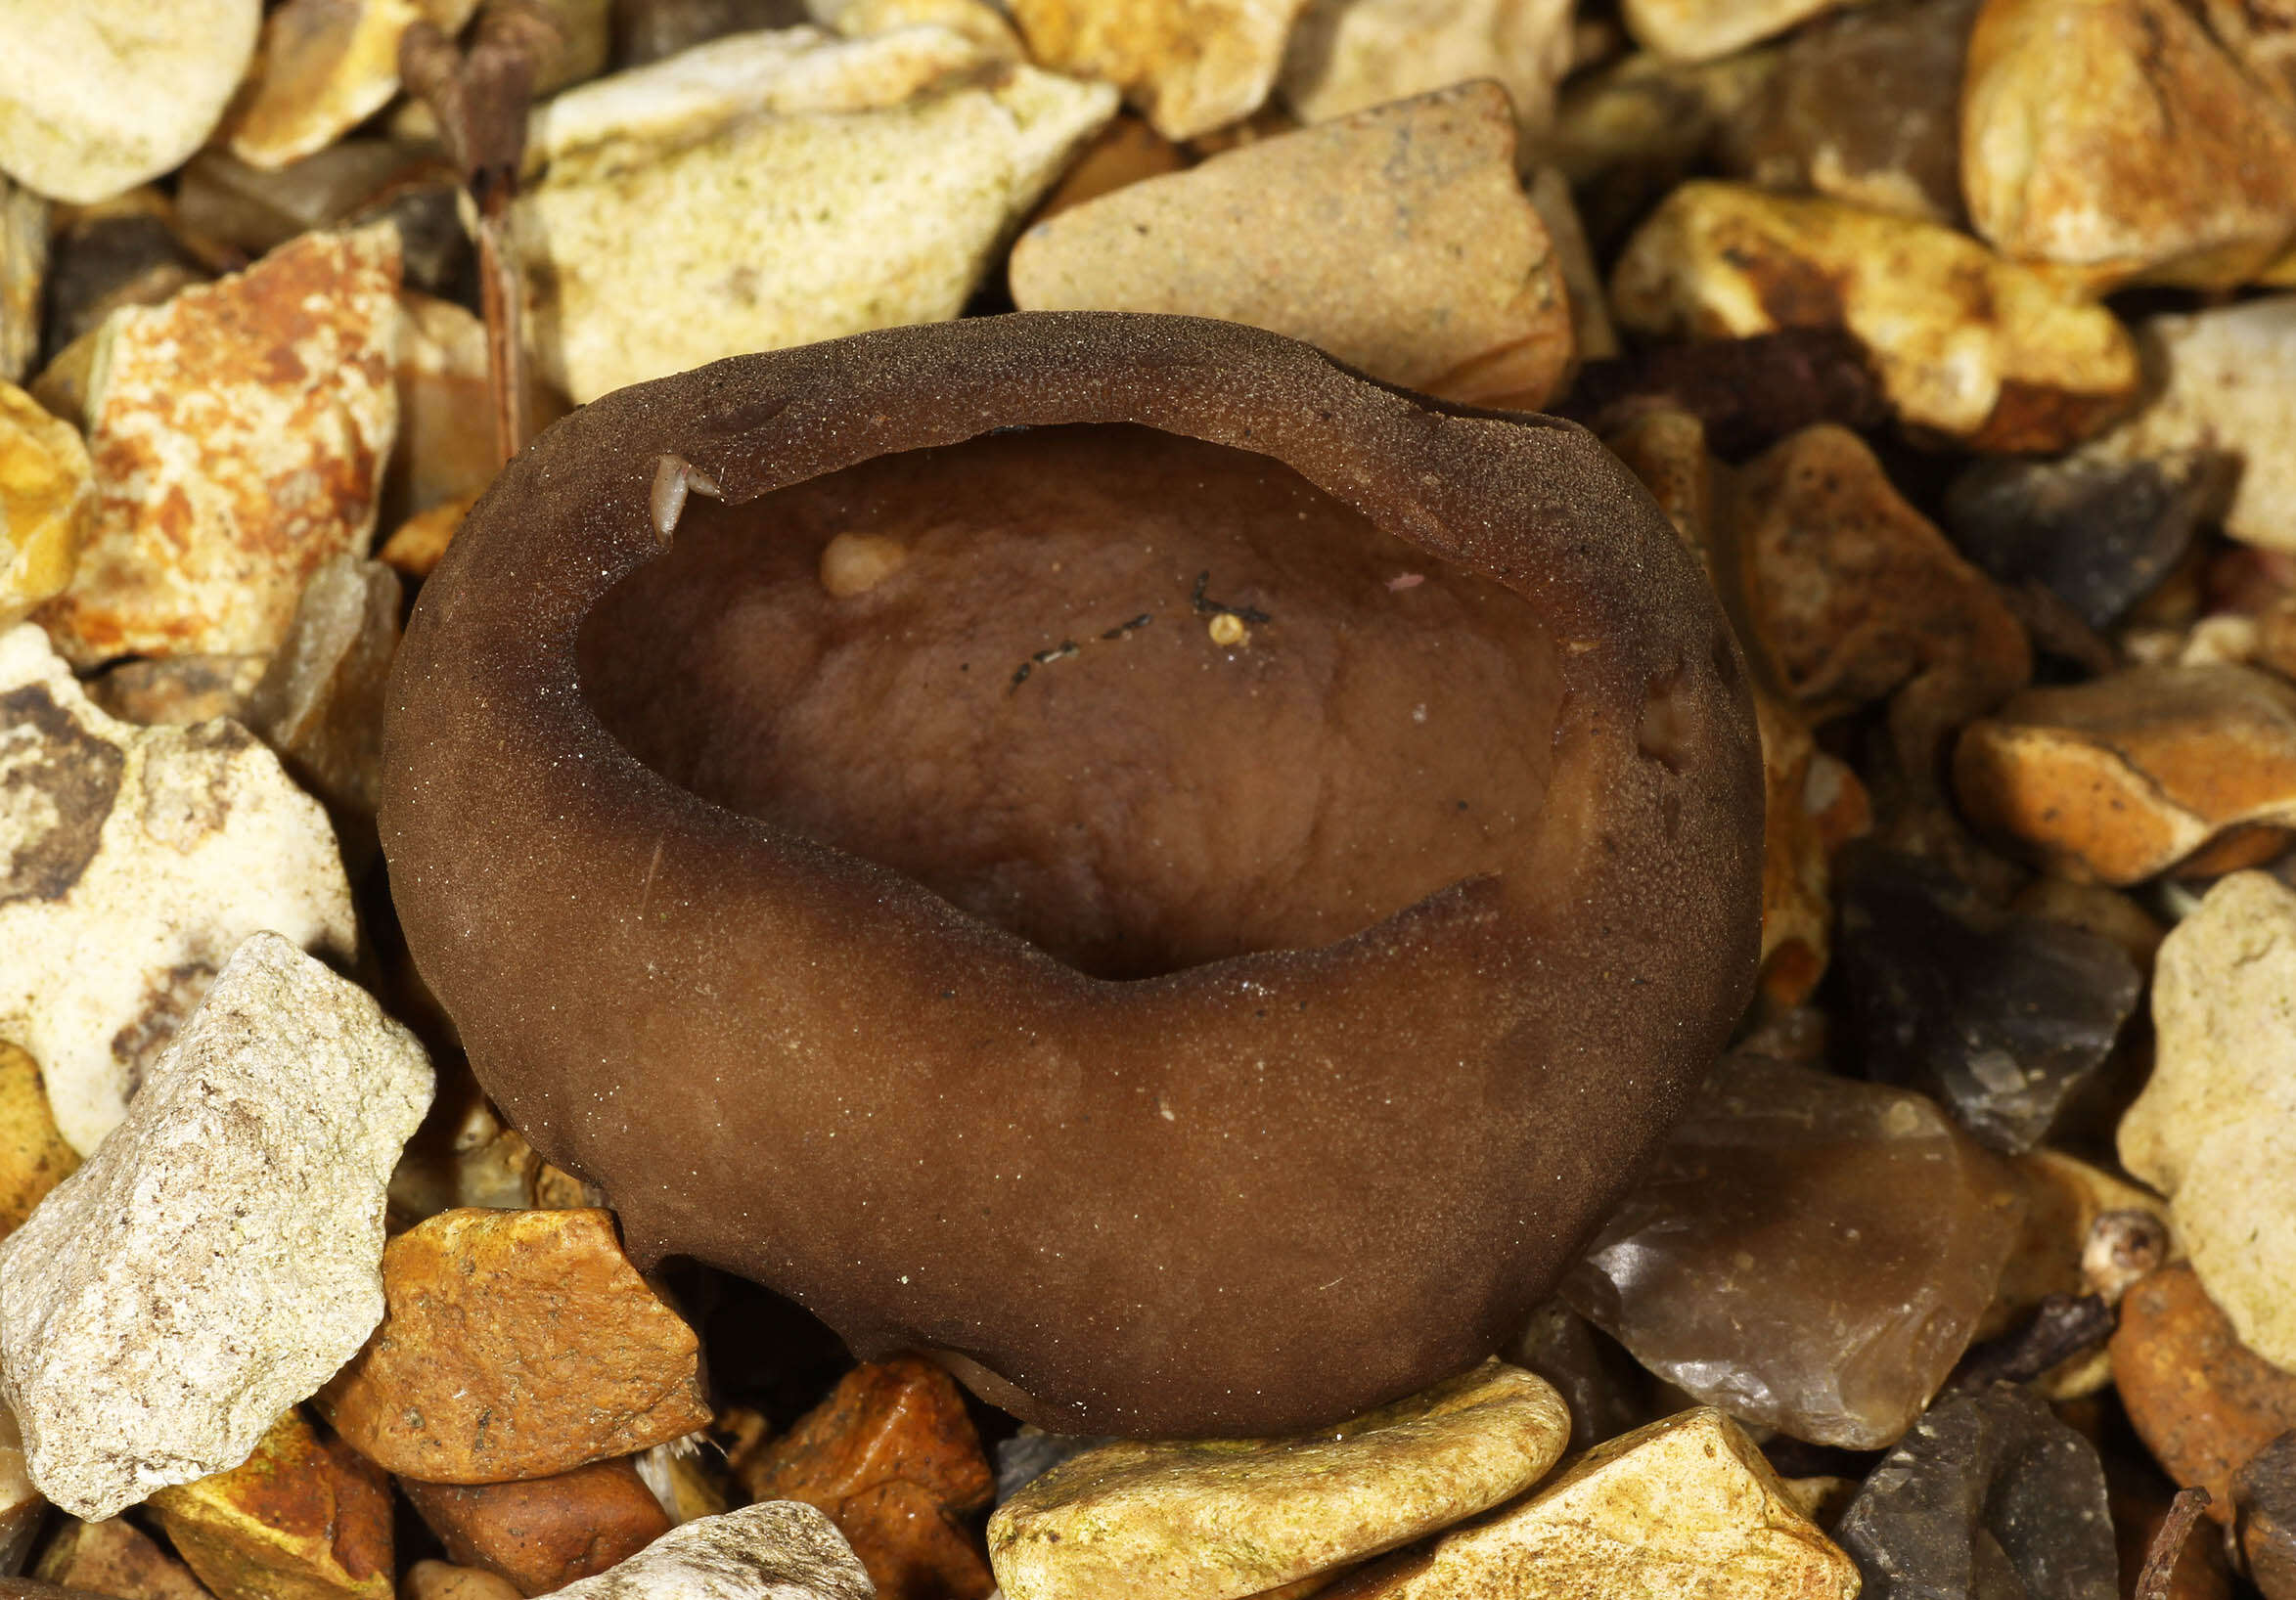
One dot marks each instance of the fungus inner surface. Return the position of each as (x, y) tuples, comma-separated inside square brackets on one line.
[(1145, 701)]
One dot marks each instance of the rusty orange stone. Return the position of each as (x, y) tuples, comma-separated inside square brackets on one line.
[(302, 1519), (545, 1532), (516, 1345), (2125, 776), (2202, 1402), (215, 501), (893, 1460)]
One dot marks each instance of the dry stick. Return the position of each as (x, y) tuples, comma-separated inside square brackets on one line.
[(2168, 1544), (482, 99)]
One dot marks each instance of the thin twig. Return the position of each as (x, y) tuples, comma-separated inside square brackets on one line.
[(2168, 1544), (481, 98)]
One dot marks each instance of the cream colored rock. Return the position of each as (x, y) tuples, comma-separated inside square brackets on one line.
[(322, 67), (97, 96), (2214, 1129), (23, 271), (47, 503), (1190, 66), (619, 121), (139, 860), (2225, 379), (1996, 355), (220, 1257), (983, 23), (216, 503), (775, 1550), (1703, 29), (1226, 1518), (1683, 1509), (818, 187), (1348, 55), (2115, 136), (1398, 239)]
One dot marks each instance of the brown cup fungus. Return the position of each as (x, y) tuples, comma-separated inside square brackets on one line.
[(1110, 848)]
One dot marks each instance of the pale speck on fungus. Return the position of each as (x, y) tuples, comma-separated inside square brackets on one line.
[(977, 920)]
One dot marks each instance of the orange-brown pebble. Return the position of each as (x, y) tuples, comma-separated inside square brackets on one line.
[(893, 1460), (420, 542), (302, 1519), (516, 1343), (545, 1532), (1123, 153), (2125, 776), (854, 563), (2202, 1402)]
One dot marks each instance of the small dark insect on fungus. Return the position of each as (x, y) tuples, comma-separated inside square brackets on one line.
[(1181, 1037)]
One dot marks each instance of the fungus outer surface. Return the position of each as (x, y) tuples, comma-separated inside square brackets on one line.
[(1154, 1032)]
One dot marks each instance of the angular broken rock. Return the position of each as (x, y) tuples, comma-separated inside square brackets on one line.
[(1683, 1509), (2126, 775), (1996, 355), (1988, 1494), (2000, 1018), (304, 1518), (2114, 136), (1347, 56), (161, 848), (47, 503), (777, 1550), (319, 702), (1808, 1252), (1223, 1518), (2098, 533), (1399, 239), (2265, 1494), (115, 1557), (97, 96), (2224, 379), (214, 504), (1864, 107), (218, 1258), (1190, 66), (542, 1534), (518, 1343), (892, 1456), (322, 67), (1852, 595), (2214, 1129), (34, 1157), (794, 187)]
